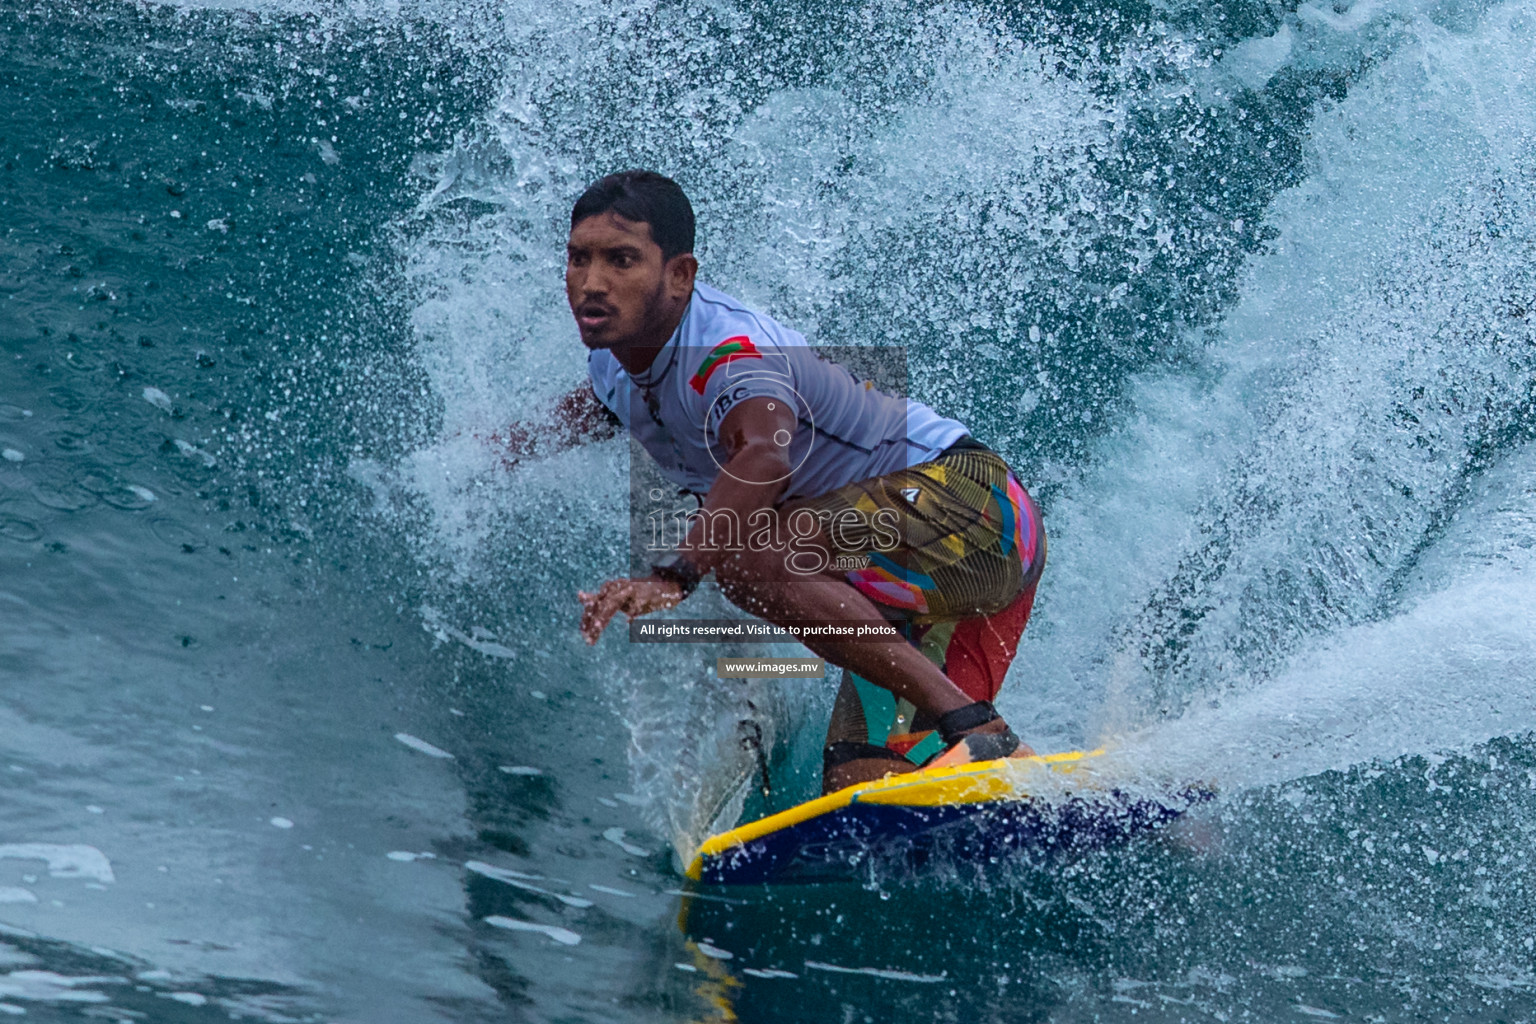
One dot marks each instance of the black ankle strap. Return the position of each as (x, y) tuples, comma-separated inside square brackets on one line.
[(841, 752), (953, 724), (989, 746)]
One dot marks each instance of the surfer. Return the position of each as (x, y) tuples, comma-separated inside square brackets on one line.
[(821, 498)]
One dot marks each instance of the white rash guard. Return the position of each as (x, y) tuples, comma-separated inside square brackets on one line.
[(724, 352)]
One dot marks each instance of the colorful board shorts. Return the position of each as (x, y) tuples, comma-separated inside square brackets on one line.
[(960, 583)]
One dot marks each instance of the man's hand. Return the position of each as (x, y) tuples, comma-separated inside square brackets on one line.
[(577, 418), (632, 597)]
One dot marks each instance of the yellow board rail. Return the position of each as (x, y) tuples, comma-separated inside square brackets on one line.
[(932, 787)]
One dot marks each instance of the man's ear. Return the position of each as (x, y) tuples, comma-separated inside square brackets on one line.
[(680, 272)]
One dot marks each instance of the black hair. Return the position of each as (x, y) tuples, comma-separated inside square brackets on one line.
[(642, 196)]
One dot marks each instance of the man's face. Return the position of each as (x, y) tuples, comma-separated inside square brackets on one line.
[(615, 280)]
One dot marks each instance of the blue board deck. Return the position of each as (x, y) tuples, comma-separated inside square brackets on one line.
[(973, 814)]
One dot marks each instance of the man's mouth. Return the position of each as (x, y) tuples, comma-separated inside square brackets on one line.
[(593, 317)]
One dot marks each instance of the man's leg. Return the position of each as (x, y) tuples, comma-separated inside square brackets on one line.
[(866, 740), (969, 538), (980, 650), (763, 583), (852, 754)]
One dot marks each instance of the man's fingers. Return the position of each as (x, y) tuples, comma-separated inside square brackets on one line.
[(594, 620), (600, 608), (588, 612), (632, 597), (634, 601)]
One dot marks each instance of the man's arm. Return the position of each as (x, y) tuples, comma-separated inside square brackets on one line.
[(577, 418), (756, 435)]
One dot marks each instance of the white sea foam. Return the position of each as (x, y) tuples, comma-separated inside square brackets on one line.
[(564, 936), (616, 836), (434, 623), (1440, 677), (416, 743), (1294, 529), (502, 874), (47, 986), (192, 451), (64, 861), (519, 880), (885, 973)]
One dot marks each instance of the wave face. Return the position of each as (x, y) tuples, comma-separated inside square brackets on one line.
[(1245, 294)]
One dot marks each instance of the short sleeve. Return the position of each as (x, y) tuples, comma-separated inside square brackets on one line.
[(738, 368), (601, 370)]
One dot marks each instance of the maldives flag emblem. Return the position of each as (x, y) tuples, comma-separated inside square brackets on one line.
[(729, 350)]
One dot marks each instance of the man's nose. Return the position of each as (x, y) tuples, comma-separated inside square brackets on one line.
[(594, 281)]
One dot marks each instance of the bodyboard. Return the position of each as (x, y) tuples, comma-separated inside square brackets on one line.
[(1013, 809)]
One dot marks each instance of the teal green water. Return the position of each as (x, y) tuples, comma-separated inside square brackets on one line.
[(295, 723)]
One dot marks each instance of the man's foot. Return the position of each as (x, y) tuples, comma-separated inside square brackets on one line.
[(976, 732), (845, 763), (853, 773)]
